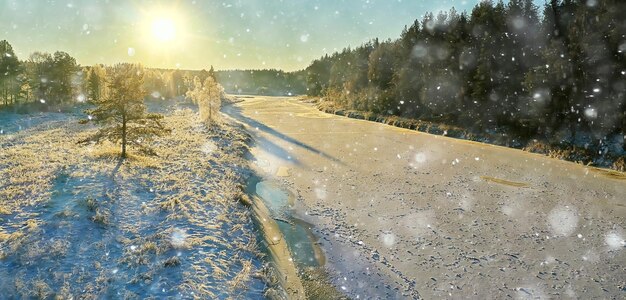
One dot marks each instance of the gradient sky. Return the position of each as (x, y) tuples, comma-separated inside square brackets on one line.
[(284, 34)]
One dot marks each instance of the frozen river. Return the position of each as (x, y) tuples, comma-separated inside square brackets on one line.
[(405, 214)]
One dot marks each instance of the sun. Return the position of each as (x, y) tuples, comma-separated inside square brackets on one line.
[(163, 29)]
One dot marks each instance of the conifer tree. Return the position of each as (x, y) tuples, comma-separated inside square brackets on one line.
[(9, 69), (123, 112)]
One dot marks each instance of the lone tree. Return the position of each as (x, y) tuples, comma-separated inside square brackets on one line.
[(123, 111), (208, 96)]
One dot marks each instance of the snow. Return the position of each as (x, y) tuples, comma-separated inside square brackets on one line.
[(563, 220), (614, 240), (178, 238), (388, 239), (591, 113), (208, 148), (320, 193), (420, 157)]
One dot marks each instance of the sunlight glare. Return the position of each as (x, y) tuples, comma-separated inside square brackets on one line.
[(163, 29)]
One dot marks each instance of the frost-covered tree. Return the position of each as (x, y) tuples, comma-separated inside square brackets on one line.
[(153, 83), (178, 83), (208, 96), (123, 112)]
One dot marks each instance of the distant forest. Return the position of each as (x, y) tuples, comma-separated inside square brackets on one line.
[(503, 68), (263, 82), (44, 81), (52, 81)]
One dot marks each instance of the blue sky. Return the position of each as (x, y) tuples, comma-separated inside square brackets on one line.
[(285, 34)]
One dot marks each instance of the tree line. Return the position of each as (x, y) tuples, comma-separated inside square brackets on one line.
[(57, 79), (48, 78), (503, 68)]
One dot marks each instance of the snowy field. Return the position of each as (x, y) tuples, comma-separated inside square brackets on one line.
[(75, 221)]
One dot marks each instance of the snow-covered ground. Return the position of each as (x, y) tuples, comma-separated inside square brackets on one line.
[(11, 123), (77, 222)]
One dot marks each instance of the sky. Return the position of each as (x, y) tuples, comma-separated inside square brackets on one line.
[(196, 34)]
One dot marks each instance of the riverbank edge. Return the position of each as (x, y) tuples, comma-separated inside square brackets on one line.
[(297, 284), (280, 258), (277, 248), (569, 153)]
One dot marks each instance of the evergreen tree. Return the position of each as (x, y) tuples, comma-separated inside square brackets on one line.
[(95, 82), (123, 112), (9, 69), (62, 74), (39, 68)]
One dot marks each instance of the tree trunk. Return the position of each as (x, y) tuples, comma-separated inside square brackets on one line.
[(555, 14), (624, 127), (4, 89), (12, 92), (123, 136)]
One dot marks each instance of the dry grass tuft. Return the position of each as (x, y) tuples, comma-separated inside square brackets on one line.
[(101, 217), (620, 164), (4, 210), (173, 261), (610, 173), (41, 290), (239, 281), (90, 203), (31, 225)]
